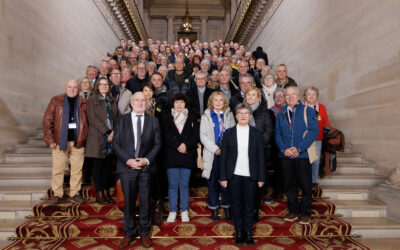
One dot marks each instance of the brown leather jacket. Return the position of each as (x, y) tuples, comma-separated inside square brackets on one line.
[(53, 118)]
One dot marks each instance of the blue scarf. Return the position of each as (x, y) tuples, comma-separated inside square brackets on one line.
[(65, 123)]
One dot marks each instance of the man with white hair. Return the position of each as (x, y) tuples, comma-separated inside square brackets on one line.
[(296, 128), (65, 129), (136, 143)]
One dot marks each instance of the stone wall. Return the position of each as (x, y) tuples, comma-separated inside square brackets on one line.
[(42, 44), (350, 50)]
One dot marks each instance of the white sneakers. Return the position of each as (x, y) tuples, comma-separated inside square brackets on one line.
[(184, 216), (171, 217)]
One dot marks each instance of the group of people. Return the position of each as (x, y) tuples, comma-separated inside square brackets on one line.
[(159, 112)]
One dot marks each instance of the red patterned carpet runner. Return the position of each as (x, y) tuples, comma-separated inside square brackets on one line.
[(93, 226)]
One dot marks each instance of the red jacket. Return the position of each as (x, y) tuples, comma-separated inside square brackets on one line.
[(322, 121)]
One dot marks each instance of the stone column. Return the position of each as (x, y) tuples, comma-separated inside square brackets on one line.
[(170, 29), (233, 9), (203, 29)]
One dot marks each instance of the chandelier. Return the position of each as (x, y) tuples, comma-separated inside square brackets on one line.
[(187, 20)]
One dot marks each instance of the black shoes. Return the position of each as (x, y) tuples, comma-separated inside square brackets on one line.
[(239, 238), (228, 216), (249, 239), (214, 214)]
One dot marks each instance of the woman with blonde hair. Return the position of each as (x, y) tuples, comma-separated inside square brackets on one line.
[(85, 87), (215, 120), (261, 119), (311, 99)]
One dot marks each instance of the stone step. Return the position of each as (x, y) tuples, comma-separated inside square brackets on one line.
[(381, 244), (346, 192), (364, 208), (23, 193), (26, 180), (32, 149), (35, 140), (35, 167), (7, 228), (374, 227), (356, 168), (14, 158), (10, 210), (349, 158), (352, 179)]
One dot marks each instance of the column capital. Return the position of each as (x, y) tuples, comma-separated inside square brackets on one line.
[(204, 17), (170, 17)]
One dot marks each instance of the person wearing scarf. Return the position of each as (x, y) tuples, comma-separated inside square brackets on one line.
[(268, 88), (215, 120), (102, 113), (261, 119), (311, 99), (65, 132), (279, 99), (180, 135)]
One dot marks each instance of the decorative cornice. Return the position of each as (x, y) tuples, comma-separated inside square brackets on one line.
[(237, 23), (270, 10), (134, 16), (251, 17), (123, 17), (108, 15)]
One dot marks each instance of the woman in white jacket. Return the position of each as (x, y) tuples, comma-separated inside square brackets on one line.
[(215, 120)]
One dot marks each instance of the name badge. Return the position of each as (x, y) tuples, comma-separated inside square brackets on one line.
[(72, 125)]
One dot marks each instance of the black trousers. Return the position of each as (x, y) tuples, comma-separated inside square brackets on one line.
[(102, 172), (297, 174), (133, 183), (243, 194), (264, 189)]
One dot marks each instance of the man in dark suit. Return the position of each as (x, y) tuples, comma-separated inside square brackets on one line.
[(242, 170), (136, 143), (199, 96)]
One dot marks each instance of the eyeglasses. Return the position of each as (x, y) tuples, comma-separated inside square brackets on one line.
[(243, 113), (85, 82), (141, 68), (103, 84), (202, 78), (116, 74)]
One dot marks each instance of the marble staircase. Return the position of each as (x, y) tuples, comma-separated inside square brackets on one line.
[(25, 175)]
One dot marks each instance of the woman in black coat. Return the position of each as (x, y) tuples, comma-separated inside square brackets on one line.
[(261, 119), (180, 131)]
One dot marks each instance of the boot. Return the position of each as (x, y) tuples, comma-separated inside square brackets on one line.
[(227, 212), (214, 214), (100, 198), (158, 213), (107, 196)]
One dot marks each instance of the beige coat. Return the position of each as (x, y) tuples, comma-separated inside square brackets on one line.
[(208, 140), (124, 103)]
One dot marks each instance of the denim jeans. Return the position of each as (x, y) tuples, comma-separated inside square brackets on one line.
[(214, 188), (315, 165), (178, 177)]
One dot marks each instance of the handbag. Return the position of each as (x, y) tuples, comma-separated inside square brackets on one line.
[(312, 149)]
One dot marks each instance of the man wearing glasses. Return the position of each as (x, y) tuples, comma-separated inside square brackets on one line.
[(199, 95), (136, 82)]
